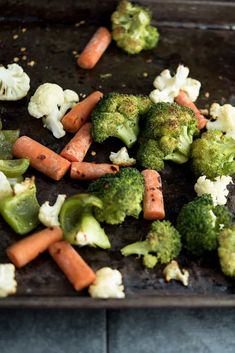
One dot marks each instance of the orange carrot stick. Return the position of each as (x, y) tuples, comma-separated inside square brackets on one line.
[(41, 157), (183, 99), (77, 148), (27, 249), (91, 171), (95, 48), (153, 205), (73, 266), (81, 112)]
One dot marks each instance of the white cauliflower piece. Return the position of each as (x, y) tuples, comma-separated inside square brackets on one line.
[(18, 188), (108, 284), (49, 215), (172, 271), (168, 87), (217, 188), (192, 88), (50, 102), (8, 283), (5, 186), (225, 119), (122, 158), (14, 83)]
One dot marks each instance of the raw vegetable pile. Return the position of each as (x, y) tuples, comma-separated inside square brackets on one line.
[(165, 126)]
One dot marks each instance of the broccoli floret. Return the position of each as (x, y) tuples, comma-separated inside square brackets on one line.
[(213, 154), (117, 115), (78, 223), (150, 155), (200, 222), (167, 135), (150, 260), (162, 244), (131, 28), (121, 194), (226, 251)]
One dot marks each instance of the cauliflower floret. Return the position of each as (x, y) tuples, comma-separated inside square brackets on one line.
[(217, 188), (168, 87), (18, 188), (14, 83), (122, 158), (5, 186), (172, 271), (49, 215), (225, 119), (50, 102), (108, 284), (8, 283)]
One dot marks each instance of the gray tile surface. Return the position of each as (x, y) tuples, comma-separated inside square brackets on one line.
[(172, 331), (52, 331), (129, 331)]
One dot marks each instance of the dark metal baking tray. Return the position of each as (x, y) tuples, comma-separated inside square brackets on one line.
[(196, 33)]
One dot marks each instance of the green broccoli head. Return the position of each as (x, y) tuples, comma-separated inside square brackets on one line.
[(226, 251), (200, 222), (78, 223), (117, 115), (131, 28), (121, 194), (162, 244), (213, 154), (150, 155), (167, 135)]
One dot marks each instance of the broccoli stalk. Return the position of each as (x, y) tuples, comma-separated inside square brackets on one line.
[(138, 248), (121, 194), (167, 135), (117, 115), (89, 232), (128, 134), (162, 244), (199, 222), (213, 155), (78, 223)]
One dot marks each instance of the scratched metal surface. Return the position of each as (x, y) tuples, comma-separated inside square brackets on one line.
[(50, 43)]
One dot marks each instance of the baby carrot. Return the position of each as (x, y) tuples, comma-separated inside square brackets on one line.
[(81, 112), (74, 267), (183, 99), (77, 148), (91, 171), (95, 48), (27, 249), (41, 157), (153, 205)]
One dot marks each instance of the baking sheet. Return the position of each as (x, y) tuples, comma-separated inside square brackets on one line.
[(209, 53)]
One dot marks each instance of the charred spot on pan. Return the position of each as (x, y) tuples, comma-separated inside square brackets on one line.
[(41, 157)]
